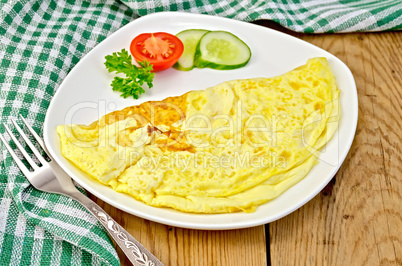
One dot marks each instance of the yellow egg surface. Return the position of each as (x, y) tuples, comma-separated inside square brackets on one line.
[(228, 148)]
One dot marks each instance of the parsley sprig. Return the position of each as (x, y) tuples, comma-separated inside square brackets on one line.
[(131, 85)]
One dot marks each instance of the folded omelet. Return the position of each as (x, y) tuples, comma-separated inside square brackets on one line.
[(228, 148)]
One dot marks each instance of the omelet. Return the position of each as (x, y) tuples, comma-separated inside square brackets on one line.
[(228, 148)]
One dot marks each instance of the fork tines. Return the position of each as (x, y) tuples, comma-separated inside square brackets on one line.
[(37, 154)]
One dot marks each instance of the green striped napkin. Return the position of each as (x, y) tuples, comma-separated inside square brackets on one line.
[(40, 42), (309, 16)]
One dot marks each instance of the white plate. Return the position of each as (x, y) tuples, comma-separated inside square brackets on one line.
[(85, 94)]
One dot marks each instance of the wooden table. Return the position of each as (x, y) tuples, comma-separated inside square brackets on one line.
[(355, 220)]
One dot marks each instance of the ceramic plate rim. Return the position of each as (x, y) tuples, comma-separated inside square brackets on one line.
[(209, 221)]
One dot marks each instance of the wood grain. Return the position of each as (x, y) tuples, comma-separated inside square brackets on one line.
[(355, 220), (178, 246)]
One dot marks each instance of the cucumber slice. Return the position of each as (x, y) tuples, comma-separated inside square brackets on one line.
[(190, 39), (221, 50)]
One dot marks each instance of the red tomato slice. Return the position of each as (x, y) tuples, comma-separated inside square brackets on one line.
[(160, 49)]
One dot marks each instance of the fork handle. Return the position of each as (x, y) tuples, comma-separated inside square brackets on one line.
[(135, 252)]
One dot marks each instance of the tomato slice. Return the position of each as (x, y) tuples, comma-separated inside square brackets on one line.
[(160, 49)]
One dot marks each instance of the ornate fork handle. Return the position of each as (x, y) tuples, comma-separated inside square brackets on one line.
[(135, 252)]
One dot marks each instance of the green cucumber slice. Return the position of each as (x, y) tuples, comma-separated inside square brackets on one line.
[(221, 50), (190, 39)]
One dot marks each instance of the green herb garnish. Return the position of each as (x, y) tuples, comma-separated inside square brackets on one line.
[(131, 85)]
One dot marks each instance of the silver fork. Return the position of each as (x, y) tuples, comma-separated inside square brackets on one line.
[(50, 177)]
